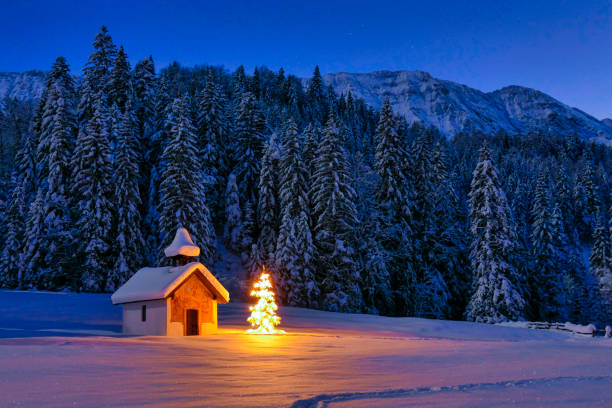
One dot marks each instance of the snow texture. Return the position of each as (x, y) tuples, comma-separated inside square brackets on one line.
[(159, 283), (182, 245), (65, 349)]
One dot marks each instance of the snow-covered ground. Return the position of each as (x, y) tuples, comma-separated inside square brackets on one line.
[(59, 350)]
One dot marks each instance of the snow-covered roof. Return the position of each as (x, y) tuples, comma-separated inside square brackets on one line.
[(159, 283), (182, 245)]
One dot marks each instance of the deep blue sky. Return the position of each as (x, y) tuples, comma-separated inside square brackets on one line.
[(563, 48)]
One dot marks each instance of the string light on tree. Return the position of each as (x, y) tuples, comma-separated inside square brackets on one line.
[(263, 317)]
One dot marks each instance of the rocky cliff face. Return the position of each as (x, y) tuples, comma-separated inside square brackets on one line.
[(454, 108)]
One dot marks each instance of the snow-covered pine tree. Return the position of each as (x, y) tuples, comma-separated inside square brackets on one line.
[(600, 268), (97, 73), (34, 252), (247, 232), (393, 195), (183, 202), (93, 191), (547, 297), (317, 98), (268, 210), (212, 137), (334, 219), (233, 216), (57, 112), (144, 82), (12, 252), (26, 164), (120, 81), (248, 146), (294, 250), (57, 224), (128, 241), (495, 296)]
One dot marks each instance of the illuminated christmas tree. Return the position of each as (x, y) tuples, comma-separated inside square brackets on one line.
[(263, 317)]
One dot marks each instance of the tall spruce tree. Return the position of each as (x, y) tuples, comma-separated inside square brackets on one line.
[(12, 252), (268, 210), (393, 195), (212, 139), (600, 268), (128, 241), (120, 81), (233, 216), (496, 296), (295, 249), (183, 202), (93, 191), (248, 146), (334, 221), (548, 303)]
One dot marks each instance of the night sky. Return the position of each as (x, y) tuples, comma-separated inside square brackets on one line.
[(563, 48)]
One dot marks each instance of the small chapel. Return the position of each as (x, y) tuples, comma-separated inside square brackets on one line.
[(176, 300)]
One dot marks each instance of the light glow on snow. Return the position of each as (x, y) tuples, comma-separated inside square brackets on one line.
[(263, 316)]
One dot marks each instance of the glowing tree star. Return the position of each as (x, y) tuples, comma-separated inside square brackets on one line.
[(263, 317)]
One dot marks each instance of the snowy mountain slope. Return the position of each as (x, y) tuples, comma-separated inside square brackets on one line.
[(453, 108), (22, 86)]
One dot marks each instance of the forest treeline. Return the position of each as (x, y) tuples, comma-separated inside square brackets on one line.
[(350, 209)]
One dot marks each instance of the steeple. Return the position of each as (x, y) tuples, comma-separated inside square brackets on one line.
[(182, 250)]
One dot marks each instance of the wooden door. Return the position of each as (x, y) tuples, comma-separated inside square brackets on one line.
[(191, 324)]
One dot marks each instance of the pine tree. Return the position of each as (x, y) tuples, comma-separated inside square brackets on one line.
[(57, 112), (294, 251), (93, 192), (248, 147), (334, 220), (97, 73), (34, 252), (57, 233), (183, 199), (10, 263), (233, 216), (212, 137), (547, 285), (128, 241), (393, 195), (600, 268), (268, 206), (120, 86), (496, 296)]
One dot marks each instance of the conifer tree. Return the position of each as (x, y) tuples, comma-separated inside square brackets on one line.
[(294, 251), (183, 199), (57, 230), (212, 137), (393, 195), (120, 86), (34, 253), (97, 73), (128, 241), (496, 296), (58, 116), (334, 220), (600, 268), (268, 206), (12, 252), (248, 147), (233, 216), (547, 286), (93, 192)]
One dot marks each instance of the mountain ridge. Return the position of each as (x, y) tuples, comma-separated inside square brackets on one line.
[(449, 106), (453, 107)]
